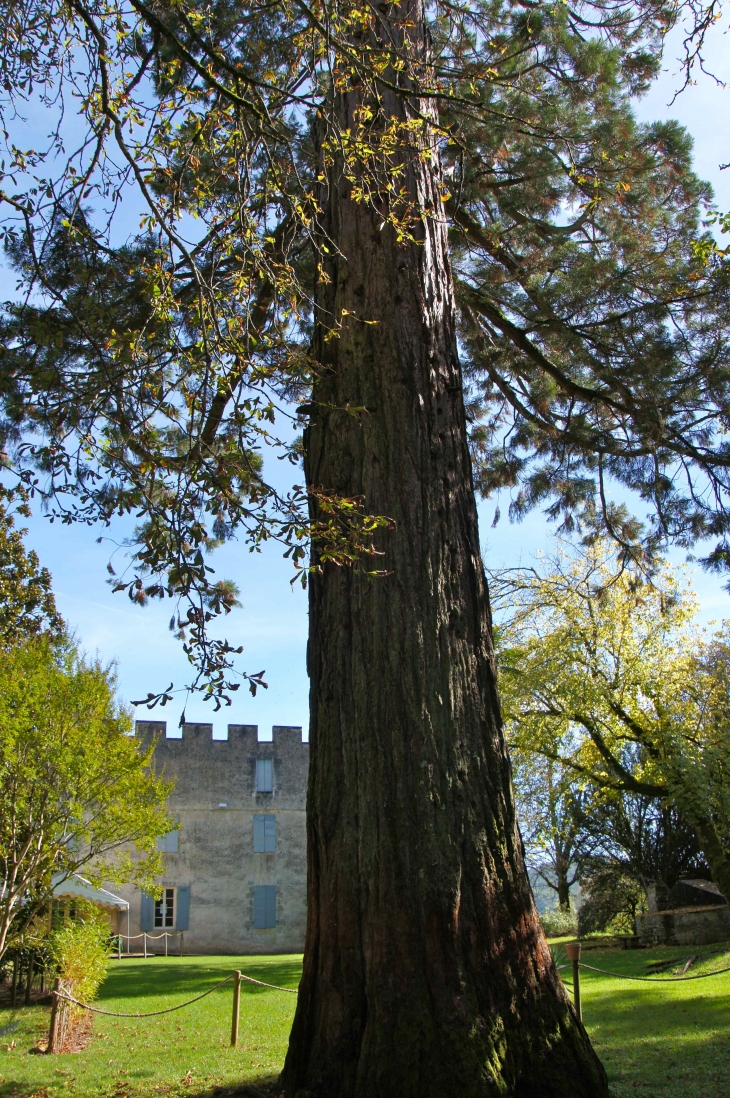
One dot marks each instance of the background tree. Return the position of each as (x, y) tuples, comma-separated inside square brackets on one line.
[(312, 144), (547, 798), (642, 848), (648, 839), (608, 677), (611, 898), (75, 787), (27, 605)]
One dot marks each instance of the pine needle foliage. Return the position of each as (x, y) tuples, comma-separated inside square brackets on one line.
[(150, 377), (27, 605)]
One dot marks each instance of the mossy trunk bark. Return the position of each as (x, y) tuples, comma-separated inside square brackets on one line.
[(426, 973)]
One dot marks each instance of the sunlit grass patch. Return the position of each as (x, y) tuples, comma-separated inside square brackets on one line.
[(187, 1052)]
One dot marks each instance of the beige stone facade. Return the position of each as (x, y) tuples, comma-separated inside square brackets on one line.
[(235, 876)]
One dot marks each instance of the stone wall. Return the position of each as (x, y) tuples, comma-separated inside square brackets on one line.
[(215, 799), (684, 926)]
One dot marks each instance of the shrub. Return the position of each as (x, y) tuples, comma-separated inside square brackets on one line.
[(80, 950), (557, 923)]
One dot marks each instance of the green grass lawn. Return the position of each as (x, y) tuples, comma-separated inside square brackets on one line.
[(655, 1040), (665, 1040), (187, 1052)]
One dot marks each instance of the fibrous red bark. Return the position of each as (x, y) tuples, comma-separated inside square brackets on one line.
[(426, 972)]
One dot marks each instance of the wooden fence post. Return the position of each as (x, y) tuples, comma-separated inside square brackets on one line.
[(145, 944), (181, 942), (119, 947), (55, 1008), (236, 1008), (573, 951), (14, 987)]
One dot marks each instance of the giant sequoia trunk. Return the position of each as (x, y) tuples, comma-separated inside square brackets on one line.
[(426, 974)]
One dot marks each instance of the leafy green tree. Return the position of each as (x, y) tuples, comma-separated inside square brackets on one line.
[(76, 790), (646, 838), (556, 842), (337, 198), (27, 605), (606, 675), (611, 899)]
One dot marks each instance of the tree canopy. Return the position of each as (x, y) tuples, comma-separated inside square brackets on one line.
[(547, 799), (607, 674), (27, 605), (76, 789), (149, 372)]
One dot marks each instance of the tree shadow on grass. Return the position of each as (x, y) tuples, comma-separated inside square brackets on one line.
[(629, 1012), (139, 979), (267, 1086)]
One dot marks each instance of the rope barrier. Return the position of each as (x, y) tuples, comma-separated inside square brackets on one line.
[(290, 990), (651, 979), (656, 979), (153, 937), (149, 1014), (169, 1010)]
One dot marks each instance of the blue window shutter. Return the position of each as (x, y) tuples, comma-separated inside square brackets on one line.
[(259, 834), (264, 776), (259, 907), (270, 905), (269, 834), (168, 844), (147, 913), (264, 907), (183, 908)]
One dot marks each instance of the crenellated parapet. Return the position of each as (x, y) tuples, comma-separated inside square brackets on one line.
[(214, 773)]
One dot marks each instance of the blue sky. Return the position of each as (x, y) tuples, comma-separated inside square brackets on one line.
[(272, 625)]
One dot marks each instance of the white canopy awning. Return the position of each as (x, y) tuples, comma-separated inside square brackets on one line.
[(79, 886)]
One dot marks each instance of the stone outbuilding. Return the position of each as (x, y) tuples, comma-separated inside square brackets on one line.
[(235, 870), (698, 915)]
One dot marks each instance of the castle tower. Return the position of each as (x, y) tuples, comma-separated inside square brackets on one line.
[(235, 871)]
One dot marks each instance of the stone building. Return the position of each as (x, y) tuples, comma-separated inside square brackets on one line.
[(235, 871)]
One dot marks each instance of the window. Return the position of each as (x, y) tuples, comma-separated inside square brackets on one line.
[(264, 834), (165, 910), (264, 907), (168, 844), (61, 910), (264, 775)]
